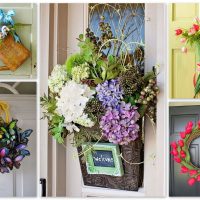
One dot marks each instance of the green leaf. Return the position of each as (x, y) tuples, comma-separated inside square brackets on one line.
[(103, 74), (111, 59), (197, 87), (81, 36), (3, 129), (72, 61), (12, 124), (98, 80), (142, 109)]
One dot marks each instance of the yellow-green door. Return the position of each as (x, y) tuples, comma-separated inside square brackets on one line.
[(182, 65)]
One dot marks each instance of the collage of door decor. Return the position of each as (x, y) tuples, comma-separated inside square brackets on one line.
[(96, 102)]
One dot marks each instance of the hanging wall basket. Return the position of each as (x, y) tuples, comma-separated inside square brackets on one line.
[(132, 177), (13, 54), (102, 98)]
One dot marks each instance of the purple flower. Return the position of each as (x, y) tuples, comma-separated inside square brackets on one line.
[(119, 125), (109, 93)]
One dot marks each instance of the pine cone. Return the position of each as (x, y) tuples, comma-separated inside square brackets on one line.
[(131, 81)]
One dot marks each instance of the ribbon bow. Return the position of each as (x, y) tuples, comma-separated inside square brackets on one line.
[(6, 18), (4, 108)]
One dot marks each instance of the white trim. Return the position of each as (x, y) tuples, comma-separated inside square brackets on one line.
[(107, 192), (155, 143), (11, 88), (44, 66), (54, 142), (161, 134)]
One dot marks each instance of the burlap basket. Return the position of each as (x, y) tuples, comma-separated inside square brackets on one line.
[(12, 54)]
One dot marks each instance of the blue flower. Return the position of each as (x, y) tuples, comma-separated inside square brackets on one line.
[(109, 93)]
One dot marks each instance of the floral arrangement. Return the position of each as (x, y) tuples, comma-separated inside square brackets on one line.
[(13, 143), (98, 94), (191, 37), (180, 152), (7, 25)]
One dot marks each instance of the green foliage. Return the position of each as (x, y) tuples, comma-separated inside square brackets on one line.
[(132, 99), (72, 61), (56, 121), (191, 39), (107, 69), (197, 87), (86, 135), (149, 75), (86, 50), (9, 132)]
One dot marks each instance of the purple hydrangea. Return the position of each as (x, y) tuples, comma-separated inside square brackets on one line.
[(119, 125), (109, 93)]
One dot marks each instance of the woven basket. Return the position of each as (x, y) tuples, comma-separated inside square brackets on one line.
[(133, 174), (13, 54)]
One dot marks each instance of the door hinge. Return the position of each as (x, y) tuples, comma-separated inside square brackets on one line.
[(43, 187)]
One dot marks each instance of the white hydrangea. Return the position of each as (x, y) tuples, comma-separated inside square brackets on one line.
[(80, 72), (84, 120), (57, 79), (72, 102)]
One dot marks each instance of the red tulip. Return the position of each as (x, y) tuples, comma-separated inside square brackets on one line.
[(198, 178), (193, 172), (192, 31), (188, 130), (181, 143), (174, 152), (173, 145), (196, 27), (199, 124), (184, 169), (191, 181), (178, 31), (182, 134), (177, 159), (190, 124), (182, 153)]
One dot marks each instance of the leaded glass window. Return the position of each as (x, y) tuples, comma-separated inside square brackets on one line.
[(127, 24)]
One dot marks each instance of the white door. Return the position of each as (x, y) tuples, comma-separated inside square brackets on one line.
[(22, 182)]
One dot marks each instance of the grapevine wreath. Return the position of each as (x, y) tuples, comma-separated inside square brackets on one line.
[(180, 151), (13, 142)]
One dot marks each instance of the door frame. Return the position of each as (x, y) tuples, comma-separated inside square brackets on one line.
[(155, 144)]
